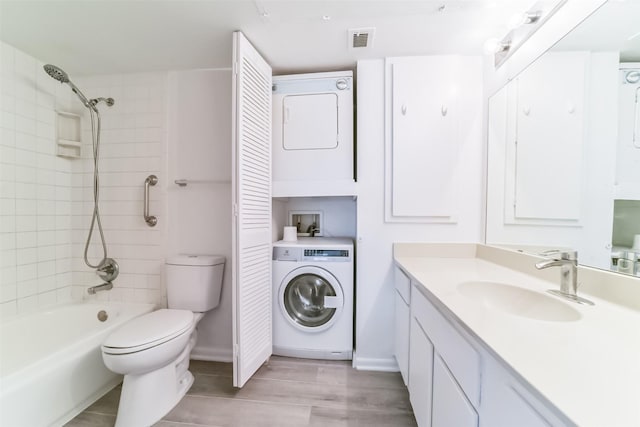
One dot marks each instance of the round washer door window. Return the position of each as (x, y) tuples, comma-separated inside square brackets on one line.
[(311, 298)]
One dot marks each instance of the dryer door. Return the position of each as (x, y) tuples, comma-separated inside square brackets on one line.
[(311, 298), (310, 121)]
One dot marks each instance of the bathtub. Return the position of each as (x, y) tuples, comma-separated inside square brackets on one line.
[(51, 365)]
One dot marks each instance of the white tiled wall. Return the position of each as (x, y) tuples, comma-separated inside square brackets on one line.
[(35, 234), (46, 200), (132, 147)]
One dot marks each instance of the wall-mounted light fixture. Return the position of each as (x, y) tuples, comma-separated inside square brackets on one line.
[(522, 26), (526, 18), (494, 45)]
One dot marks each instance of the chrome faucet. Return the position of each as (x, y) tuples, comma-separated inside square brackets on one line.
[(313, 229), (568, 263), (104, 287)]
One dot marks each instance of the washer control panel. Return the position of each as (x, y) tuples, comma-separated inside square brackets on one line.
[(307, 254)]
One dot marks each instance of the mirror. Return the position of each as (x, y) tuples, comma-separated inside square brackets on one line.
[(564, 146)]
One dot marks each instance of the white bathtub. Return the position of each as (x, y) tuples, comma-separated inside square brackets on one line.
[(51, 365)]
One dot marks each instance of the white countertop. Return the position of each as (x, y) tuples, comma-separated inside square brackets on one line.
[(588, 368)]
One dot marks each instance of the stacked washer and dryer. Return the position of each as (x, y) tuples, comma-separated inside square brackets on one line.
[(313, 277)]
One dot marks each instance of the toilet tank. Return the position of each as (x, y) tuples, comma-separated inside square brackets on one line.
[(194, 282)]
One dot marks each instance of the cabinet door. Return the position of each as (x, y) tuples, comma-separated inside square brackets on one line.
[(403, 322), (549, 131), (506, 402), (251, 198), (450, 405), (424, 147), (420, 374)]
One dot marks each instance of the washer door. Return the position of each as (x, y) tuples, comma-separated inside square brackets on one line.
[(311, 298)]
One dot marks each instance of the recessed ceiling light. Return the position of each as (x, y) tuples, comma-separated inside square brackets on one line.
[(326, 18)]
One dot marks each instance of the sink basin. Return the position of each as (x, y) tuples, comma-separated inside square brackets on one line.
[(518, 301)]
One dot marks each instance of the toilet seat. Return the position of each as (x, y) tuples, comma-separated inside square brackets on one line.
[(148, 331)]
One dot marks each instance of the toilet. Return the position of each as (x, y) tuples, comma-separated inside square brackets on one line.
[(152, 351)]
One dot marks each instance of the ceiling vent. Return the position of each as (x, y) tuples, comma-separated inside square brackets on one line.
[(361, 37)]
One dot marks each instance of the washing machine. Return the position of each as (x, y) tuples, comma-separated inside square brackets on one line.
[(313, 298)]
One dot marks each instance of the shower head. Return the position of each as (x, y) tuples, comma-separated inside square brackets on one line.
[(57, 73), (60, 75)]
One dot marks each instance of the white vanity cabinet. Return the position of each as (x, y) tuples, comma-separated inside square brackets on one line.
[(455, 381), (506, 402), (444, 369), (450, 405), (420, 374), (402, 299)]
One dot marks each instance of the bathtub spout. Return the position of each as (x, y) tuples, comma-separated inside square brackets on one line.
[(104, 287)]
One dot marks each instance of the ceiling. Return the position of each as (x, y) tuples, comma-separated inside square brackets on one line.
[(87, 37), (613, 27)]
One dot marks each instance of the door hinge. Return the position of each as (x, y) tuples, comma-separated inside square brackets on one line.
[(235, 351), (235, 209)]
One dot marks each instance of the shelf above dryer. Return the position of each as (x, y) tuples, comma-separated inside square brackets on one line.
[(314, 188)]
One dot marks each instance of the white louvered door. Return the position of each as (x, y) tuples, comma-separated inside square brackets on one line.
[(251, 264)]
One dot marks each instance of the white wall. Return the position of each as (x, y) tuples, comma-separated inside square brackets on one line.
[(35, 188), (339, 214), (133, 146), (200, 213), (46, 201), (628, 148), (591, 235), (374, 288)]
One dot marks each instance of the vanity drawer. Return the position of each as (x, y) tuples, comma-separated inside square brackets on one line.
[(403, 284), (457, 353)]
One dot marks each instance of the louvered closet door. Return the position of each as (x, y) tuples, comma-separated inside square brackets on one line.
[(251, 271)]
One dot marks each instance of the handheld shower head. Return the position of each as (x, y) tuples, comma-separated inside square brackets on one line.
[(57, 73), (60, 75)]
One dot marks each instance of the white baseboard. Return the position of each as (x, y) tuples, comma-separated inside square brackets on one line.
[(211, 354), (375, 364), (361, 363)]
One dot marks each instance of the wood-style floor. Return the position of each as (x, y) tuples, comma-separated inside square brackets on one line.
[(285, 392)]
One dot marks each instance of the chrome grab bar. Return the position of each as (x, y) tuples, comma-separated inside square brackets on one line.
[(149, 219)]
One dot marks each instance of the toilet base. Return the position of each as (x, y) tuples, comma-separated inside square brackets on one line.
[(146, 398)]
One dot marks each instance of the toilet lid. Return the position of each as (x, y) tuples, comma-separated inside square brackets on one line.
[(148, 331)]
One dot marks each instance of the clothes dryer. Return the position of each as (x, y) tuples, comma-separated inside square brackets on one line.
[(313, 298), (313, 127)]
